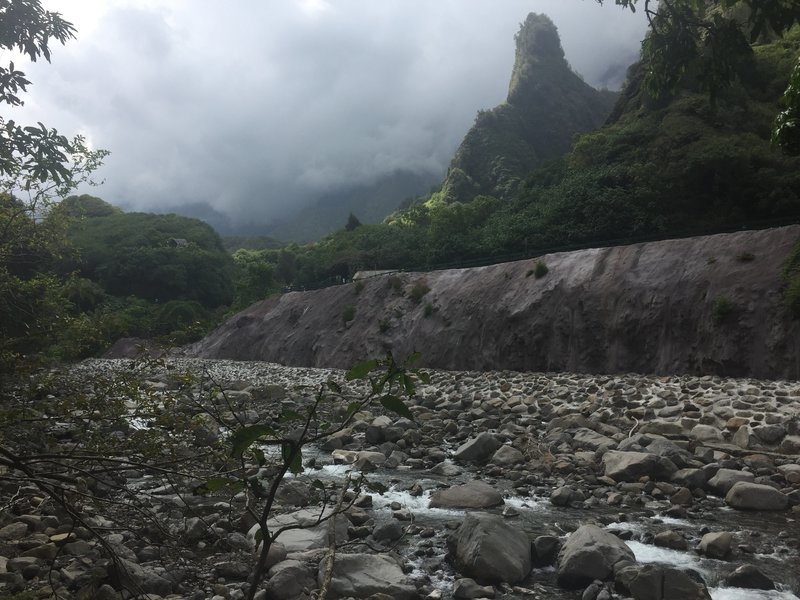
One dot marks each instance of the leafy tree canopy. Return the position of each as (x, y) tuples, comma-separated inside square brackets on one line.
[(710, 42)]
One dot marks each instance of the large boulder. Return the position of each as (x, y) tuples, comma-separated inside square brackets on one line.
[(716, 544), (631, 466), (362, 575), (750, 577), (653, 582), (477, 449), (723, 481), (288, 579), (474, 494), (490, 550), (754, 496), (311, 533), (588, 554)]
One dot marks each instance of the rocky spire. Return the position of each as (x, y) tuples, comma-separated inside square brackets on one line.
[(538, 45)]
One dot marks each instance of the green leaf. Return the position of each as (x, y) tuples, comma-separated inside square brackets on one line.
[(295, 462), (259, 455), (334, 387), (424, 376), (243, 438), (290, 415), (213, 484), (396, 405), (318, 484), (352, 408), (408, 384), (361, 370), (413, 357)]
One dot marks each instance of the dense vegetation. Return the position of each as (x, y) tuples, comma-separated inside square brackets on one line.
[(676, 165), (678, 155), (548, 104)]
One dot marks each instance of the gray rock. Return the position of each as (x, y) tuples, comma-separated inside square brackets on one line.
[(14, 531), (653, 582), (590, 553), (754, 496), (466, 588), (723, 481), (750, 577), (490, 550), (362, 575), (507, 456), (770, 434), (631, 466), (477, 449), (671, 539), (125, 573), (388, 532), (564, 495), (716, 544), (588, 439), (289, 579), (474, 494), (310, 536)]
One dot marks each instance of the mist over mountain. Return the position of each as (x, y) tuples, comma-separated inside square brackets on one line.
[(548, 104)]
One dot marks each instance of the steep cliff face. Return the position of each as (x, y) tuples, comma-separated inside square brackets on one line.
[(547, 105), (709, 305)]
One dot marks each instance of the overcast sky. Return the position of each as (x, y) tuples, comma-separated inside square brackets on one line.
[(256, 106)]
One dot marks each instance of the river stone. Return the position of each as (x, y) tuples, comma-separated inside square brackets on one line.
[(670, 539), (770, 434), (653, 582), (288, 579), (716, 544), (750, 577), (490, 550), (631, 466), (587, 438), (507, 456), (706, 433), (362, 575), (474, 494), (590, 553), (14, 531), (127, 574), (467, 589), (723, 481), (309, 536), (754, 496), (477, 449), (790, 445)]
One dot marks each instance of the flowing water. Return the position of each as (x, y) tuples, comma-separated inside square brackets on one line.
[(537, 516)]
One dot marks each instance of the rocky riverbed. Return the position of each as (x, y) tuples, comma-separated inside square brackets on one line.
[(504, 485)]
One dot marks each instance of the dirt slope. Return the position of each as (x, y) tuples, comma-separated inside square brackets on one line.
[(645, 308)]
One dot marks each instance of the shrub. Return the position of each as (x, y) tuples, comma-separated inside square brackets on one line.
[(745, 257), (359, 287), (529, 273), (419, 290), (541, 269), (791, 274), (395, 283), (721, 308), (349, 313), (384, 325), (428, 310)]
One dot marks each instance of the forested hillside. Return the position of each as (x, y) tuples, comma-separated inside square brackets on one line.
[(680, 164), (548, 104)]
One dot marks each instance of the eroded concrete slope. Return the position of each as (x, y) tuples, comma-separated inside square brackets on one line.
[(645, 308)]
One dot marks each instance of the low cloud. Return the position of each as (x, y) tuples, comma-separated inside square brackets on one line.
[(256, 108)]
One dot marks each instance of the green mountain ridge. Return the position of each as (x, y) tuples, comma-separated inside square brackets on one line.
[(548, 104)]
